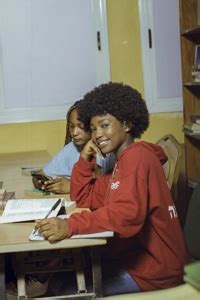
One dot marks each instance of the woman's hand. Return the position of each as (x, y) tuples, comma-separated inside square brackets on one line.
[(90, 150), (52, 229), (36, 181), (60, 185)]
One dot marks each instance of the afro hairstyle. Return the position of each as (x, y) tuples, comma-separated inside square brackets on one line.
[(119, 100)]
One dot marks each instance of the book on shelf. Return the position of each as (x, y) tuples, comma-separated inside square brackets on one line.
[(195, 72), (192, 126), (196, 79), (191, 132), (196, 75), (195, 119), (20, 210)]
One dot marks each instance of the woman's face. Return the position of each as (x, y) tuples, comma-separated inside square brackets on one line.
[(109, 134), (76, 129)]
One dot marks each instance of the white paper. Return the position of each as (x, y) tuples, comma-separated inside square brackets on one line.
[(102, 234), (19, 210), (36, 236)]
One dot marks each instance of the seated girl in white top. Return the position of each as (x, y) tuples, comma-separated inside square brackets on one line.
[(59, 168)]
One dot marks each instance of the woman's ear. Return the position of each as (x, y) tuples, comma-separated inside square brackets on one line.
[(127, 126)]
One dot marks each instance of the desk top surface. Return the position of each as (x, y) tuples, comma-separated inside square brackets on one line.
[(11, 174), (16, 180), (14, 238)]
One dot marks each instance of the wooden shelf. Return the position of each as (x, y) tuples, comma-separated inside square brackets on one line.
[(193, 87), (192, 135), (190, 37), (192, 34), (192, 83), (192, 183)]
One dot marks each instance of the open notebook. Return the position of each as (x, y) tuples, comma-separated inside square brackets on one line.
[(20, 210)]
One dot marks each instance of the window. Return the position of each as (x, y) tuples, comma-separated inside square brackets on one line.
[(51, 53), (160, 39)]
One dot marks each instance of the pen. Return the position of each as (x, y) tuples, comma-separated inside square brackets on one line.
[(48, 214), (53, 208)]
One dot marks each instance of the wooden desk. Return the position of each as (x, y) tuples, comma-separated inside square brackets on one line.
[(14, 239), (11, 172)]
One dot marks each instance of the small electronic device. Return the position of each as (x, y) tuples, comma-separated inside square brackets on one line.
[(40, 177)]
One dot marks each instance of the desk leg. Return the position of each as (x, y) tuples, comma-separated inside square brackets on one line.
[(21, 290), (80, 277), (2, 278), (96, 272)]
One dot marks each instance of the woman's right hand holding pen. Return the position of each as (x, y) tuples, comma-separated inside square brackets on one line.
[(52, 229)]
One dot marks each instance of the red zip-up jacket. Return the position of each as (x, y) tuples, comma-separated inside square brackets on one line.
[(135, 203)]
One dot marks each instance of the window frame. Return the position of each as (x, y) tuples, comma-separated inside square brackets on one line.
[(154, 103)]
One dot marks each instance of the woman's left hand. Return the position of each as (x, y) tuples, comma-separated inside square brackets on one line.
[(60, 185)]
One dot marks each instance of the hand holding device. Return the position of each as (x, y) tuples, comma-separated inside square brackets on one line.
[(41, 178)]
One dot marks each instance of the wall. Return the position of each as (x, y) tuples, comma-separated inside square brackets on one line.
[(32, 136), (126, 66)]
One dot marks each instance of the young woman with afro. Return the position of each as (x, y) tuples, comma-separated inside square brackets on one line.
[(147, 251)]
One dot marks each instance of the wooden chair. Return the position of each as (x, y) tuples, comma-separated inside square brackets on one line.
[(174, 170), (174, 152)]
